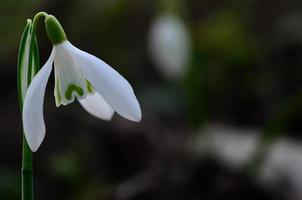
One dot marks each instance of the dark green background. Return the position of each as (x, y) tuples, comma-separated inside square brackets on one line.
[(245, 72)]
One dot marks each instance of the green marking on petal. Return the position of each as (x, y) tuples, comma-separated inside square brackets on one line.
[(58, 94), (73, 88), (89, 87)]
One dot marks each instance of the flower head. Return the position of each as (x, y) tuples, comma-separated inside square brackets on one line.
[(99, 88)]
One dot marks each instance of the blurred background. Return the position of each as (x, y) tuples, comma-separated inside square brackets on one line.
[(220, 87)]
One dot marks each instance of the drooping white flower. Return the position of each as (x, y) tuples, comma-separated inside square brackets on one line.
[(170, 46), (99, 88)]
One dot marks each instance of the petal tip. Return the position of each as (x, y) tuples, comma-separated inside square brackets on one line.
[(96, 105), (33, 148), (34, 145), (136, 117), (137, 120), (109, 118)]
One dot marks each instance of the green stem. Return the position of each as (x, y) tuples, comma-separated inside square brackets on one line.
[(27, 155), (33, 37), (36, 19), (27, 175)]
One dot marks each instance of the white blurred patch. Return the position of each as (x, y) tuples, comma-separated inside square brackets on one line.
[(233, 147), (170, 46), (283, 167)]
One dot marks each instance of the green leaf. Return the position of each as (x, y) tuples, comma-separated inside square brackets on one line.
[(23, 62), (28, 61), (34, 61)]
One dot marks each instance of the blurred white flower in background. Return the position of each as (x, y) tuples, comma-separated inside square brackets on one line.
[(283, 166), (170, 46), (233, 147)]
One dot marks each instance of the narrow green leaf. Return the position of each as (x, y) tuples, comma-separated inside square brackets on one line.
[(36, 57), (34, 61), (23, 61)]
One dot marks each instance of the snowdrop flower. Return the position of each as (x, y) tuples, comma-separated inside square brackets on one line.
[(170, 46), (99, 88)]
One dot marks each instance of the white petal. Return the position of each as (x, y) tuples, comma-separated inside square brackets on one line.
[(33, 120), (96, 105), (115, 89), (69, 81)]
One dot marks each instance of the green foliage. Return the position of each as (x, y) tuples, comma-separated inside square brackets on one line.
[(9, 180), (224, 36)]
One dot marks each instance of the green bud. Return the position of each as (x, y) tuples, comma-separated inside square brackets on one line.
[(54, 30)]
